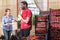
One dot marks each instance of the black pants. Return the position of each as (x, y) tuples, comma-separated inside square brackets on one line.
[(25, 33)]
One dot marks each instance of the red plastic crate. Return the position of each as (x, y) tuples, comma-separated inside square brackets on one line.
[(54, 19), (41, 30), (55, 12), (41, 18), (55, 26), (41, 24), (58, 26)]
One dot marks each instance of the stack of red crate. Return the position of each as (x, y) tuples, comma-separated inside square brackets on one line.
[(55, 18), (55, 23), (41, 24)]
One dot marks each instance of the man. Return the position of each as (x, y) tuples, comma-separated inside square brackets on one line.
[(26, 21)]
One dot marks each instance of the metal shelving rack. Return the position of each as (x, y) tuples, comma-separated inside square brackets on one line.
[(47, 25)]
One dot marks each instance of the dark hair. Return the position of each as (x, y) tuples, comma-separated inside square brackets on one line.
[(25, 3), (6, 10)]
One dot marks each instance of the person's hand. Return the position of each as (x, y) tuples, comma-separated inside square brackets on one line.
[(6, 25), (18, 30), (13, 20)]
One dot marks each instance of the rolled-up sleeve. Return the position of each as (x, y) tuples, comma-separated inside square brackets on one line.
[(13, 18)]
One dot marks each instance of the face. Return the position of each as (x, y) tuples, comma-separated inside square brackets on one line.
[(23, 6), (8, 12)]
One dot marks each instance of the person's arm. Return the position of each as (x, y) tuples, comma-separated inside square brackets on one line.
[(29, 15), (26, 20), (13, 19), (3, 23)]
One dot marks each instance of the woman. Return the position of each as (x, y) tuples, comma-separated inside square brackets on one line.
[(7, 24)]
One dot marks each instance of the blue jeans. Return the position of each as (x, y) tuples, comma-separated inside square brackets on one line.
[(7, 34)]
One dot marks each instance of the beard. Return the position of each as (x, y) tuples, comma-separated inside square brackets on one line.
[(23, 8)]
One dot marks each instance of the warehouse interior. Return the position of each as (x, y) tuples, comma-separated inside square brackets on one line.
[(47, 9)]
